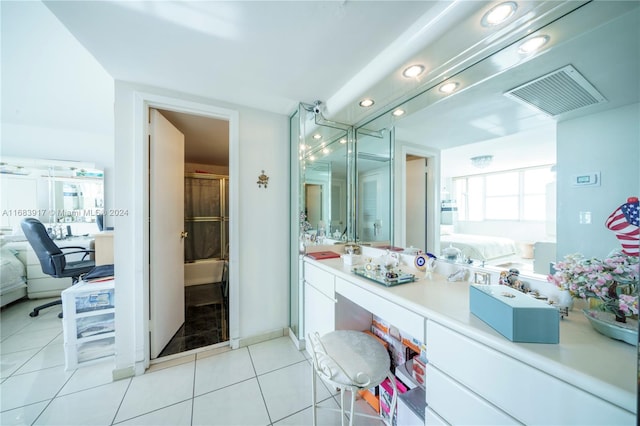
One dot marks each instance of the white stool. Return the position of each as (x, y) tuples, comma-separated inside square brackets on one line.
[(350, 360)]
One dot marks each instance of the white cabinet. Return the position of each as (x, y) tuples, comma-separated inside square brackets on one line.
[(88, 323), (319, 301), (500, 389)]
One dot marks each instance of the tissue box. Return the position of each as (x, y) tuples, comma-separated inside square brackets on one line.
[(515, 315)]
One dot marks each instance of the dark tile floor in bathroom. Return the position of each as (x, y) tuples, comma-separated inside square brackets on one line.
[(206, 320)]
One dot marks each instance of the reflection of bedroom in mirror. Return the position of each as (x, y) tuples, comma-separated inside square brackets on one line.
[(522, 206), (502, 212)]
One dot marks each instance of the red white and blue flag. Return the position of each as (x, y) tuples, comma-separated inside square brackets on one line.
[(624, 223)]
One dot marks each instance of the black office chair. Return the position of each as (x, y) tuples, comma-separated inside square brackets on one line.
[(52, 260)]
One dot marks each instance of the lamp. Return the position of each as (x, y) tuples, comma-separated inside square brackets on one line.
[(481, 161)]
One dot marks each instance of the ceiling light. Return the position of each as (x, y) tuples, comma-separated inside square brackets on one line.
[(317, 136), (413, 71), (398, 112), (533, 44), (448, 87), (343, 141), (481, 161), (366, 103), (499, 14)]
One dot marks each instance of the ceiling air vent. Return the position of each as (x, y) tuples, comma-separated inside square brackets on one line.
[(558, 92)]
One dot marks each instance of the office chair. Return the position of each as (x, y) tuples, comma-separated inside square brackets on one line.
[(52, 259)]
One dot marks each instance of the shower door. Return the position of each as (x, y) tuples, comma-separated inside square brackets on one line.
[(206, 216)]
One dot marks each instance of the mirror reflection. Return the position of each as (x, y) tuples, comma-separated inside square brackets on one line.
[(64, 195), (525, 181), (373, 205), (323, 196)]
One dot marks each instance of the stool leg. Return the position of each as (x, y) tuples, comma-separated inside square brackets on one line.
[(342, 406), (394, 399), (313, 396), (353, 403)]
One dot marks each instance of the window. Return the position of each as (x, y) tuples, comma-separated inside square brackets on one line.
[(515, 195)]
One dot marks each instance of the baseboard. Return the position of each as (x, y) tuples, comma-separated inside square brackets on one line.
[(246, 341), (123, 373), (300, 344)]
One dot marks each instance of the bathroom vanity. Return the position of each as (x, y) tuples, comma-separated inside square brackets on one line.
[(585, 379)]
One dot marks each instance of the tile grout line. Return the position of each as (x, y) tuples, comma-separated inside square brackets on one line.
[(264, 401)]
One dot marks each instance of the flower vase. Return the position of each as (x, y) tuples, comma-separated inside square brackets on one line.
[(605, 323)]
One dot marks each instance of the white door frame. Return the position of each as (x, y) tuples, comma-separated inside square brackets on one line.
[(433, 193), (142, 102)]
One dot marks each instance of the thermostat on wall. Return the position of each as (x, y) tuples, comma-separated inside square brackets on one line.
[(586, 179)]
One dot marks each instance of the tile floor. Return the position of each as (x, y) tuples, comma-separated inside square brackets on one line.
[(206, 319), (268, 383)]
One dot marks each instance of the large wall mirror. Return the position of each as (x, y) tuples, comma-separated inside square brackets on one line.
[(56, 192), (551, 161), (526, 179)]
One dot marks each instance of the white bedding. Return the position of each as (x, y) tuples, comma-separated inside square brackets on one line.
[(13, 282), (480, 247)]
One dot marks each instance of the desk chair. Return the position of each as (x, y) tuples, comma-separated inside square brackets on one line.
[(350, 360), (52, 259)]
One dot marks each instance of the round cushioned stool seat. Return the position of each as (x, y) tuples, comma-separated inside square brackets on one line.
[(360, 356)]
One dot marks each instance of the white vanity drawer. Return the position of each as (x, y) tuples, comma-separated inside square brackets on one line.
[(321, 280), (400, 317), (431, 418), (446, 397), (522, 391)]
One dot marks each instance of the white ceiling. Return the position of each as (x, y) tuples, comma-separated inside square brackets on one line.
[(264, 54), (271, 55)]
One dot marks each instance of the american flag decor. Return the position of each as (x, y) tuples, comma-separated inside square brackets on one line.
[(624, 222)]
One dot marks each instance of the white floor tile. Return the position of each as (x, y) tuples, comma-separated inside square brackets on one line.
[(222, 370), (22, 416), (89, 377), (51, 355), (304, 417), (28, 340), (159, 389), (96, 406), (288, 390), (239, 404), (273, 354), (10, 363), (23, 389), (173, 415)]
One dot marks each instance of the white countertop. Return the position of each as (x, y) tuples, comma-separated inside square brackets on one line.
[(584, 358)]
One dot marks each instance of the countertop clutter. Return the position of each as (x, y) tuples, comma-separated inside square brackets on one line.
[(585, 367)]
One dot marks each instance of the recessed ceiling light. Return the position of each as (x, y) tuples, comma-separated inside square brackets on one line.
[(413, 71), (343, 141), (499, 14), (317, 136), (448, 87), (366, 103), (398, 112), (533, 44)]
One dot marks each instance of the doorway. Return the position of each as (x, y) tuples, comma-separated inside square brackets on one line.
[(204, 201)]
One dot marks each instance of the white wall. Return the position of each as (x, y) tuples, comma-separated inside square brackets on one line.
[(609, 143), (262, 222), (57, 100)]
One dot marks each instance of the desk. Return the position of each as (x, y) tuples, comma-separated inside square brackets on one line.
[(585, 379)]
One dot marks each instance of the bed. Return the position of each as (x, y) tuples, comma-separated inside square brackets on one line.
[(480, 247), (13, 276)]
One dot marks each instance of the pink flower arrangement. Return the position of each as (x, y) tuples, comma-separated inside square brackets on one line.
[(613, 280)]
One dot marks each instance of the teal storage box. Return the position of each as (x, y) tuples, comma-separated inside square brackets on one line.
[(515, 315)]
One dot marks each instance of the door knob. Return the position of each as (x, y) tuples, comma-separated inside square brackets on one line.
[(184, 234)]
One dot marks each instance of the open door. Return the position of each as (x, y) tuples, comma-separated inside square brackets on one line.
[(166, 231)]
